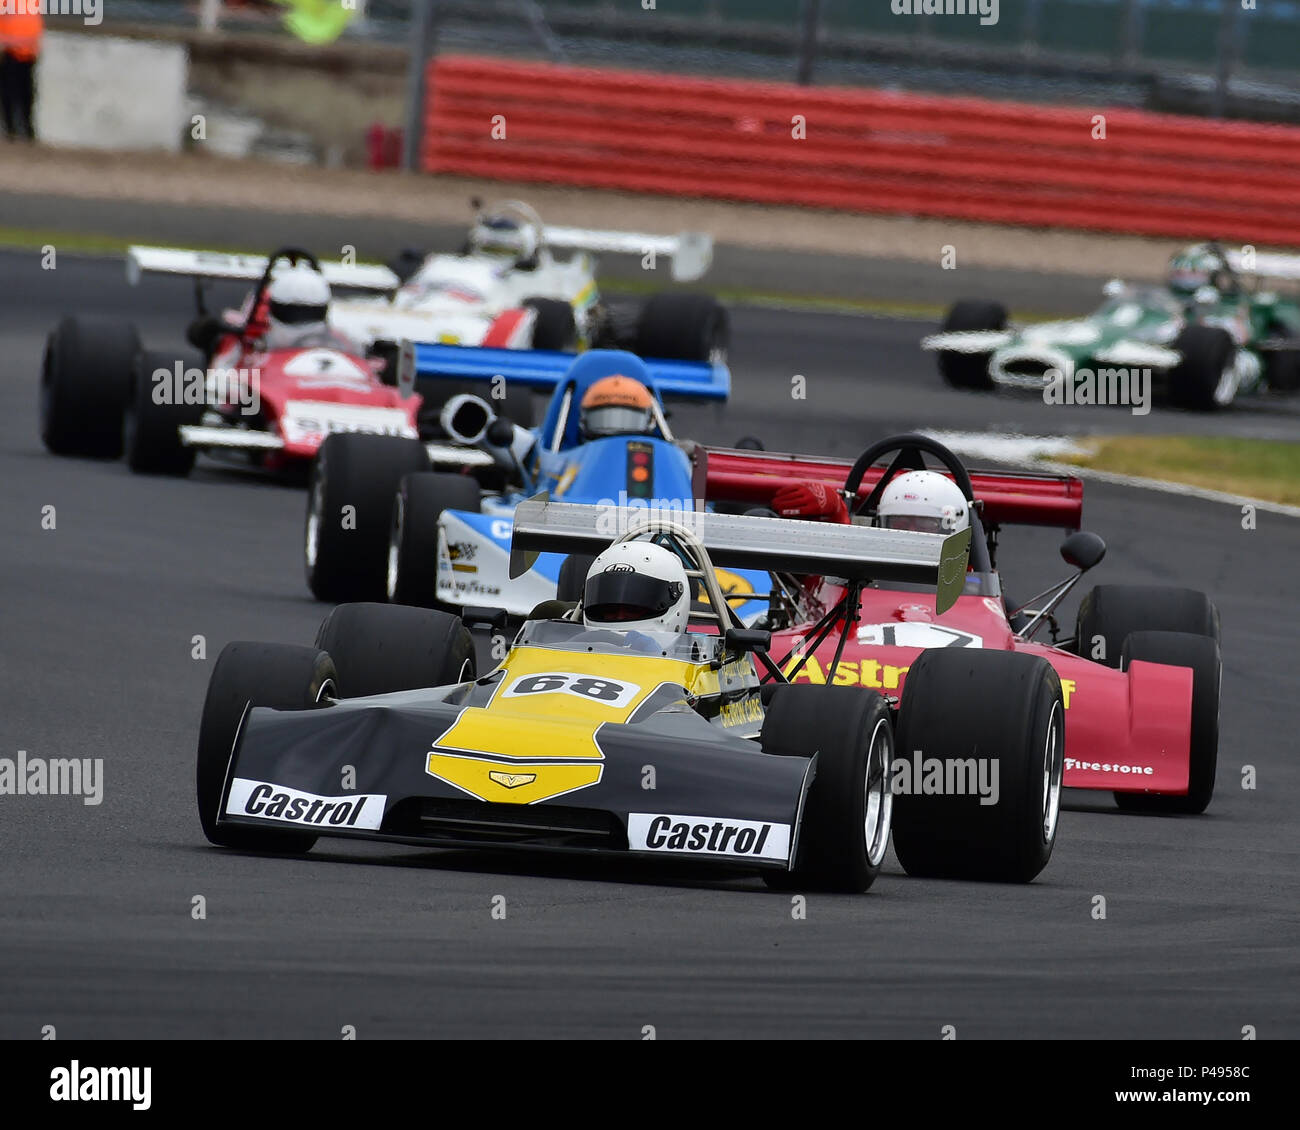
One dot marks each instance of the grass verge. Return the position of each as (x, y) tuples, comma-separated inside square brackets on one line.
[(1266, 469)]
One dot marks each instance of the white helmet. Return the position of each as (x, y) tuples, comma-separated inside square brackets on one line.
[(637, 585), (924, 501), (298, 296), (506, 236)]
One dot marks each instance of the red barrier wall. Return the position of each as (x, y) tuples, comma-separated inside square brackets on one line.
[(865, 150)]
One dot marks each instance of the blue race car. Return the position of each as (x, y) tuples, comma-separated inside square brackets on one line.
[(381, 523)]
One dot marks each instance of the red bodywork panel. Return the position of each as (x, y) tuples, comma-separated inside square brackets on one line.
[(1129, 731), (1016, 498), (308, 375), (1126, 731)]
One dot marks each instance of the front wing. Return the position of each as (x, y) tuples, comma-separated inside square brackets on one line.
[(715, 797)]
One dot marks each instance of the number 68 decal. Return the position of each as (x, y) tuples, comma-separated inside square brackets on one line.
[(604, 691)]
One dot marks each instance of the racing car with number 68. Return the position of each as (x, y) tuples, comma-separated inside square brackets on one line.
[(382, 729)]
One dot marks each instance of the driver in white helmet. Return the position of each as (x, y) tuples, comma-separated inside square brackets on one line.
[(637, 587), (503, 236), (925, 502), (297, 309)]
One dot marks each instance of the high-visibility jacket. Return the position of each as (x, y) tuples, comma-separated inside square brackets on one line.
[(20, 30)]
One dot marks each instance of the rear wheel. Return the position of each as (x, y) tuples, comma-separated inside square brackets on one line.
[(85, 385), (1109, 614), (381, 648), (418, 506), (354, 479), (845, 829), (1201, 654), (554, 327), (683, 327), (970, 370), (280, 676), (151, 430), (1204, 379), (997, 718)]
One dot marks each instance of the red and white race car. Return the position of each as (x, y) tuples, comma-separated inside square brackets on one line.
[(1140, 677), (245, 395)]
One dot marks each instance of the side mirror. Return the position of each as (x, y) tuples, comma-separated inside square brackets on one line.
[(1083, 550), (745, 640), (501, 432), (1113, 288), (466, 418)]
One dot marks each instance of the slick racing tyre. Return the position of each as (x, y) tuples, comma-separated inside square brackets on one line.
[(85, 384), (554, 327), (413, 540), (987, 729), (1201, 654), (354, 479), (380, 648), (1204, 379), (845, 831), (151, 430), (281, 676), (573, 577), (970, 370), (683, 327), (1109, 614)]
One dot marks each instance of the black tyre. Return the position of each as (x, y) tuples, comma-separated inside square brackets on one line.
[(280, 676), (845, 830), (1109, 614), (380, 648), (85, 384), (1282, 369), (1201, 654), (150, 430), (683, 327), (573, 577), (970, 370), (1201, 381), (959, 706), (354, 479), (554, 328), (413, 541)]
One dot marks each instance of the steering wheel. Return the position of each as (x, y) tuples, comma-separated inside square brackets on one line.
[(909, 453)]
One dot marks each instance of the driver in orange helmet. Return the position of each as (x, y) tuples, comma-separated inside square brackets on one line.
[(617, 406)]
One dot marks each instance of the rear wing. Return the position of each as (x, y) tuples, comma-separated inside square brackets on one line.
[(219, 265), (690, 253), (544, 369), (1265, 265), (736, 541), (1024, 498)]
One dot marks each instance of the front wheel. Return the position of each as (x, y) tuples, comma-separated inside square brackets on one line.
[(970, 370), (683, 327), (157, 411), (280, 676), (1205, 379), (979, 785), (349, 512), (845, 830), (418, 508)]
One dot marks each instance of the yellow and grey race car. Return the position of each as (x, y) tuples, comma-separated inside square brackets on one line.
[(685, 746)]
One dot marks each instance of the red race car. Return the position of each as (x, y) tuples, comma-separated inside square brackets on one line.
[(1140, 677), (264, 386)]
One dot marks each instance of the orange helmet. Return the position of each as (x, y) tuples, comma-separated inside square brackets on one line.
[(615, 406)]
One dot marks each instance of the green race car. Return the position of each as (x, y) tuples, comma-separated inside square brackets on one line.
[(1199, 342)]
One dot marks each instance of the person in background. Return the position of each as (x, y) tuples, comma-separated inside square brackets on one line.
[(20, 44)]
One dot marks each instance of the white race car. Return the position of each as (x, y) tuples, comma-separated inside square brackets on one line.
[(507, 290)]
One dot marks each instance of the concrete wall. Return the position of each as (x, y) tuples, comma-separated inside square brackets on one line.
[(104, 92)]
